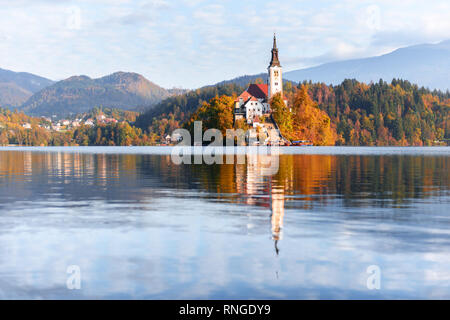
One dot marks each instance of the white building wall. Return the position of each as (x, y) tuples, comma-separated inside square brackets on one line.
[(254, 108), (275, 80)]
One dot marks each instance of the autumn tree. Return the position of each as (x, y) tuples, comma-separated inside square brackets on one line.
[(215, 114), (4, 138), (309, 122)]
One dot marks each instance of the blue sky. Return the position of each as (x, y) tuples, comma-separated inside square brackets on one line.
[(191, 43)]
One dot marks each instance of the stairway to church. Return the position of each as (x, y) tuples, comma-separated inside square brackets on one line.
[(270, 128)]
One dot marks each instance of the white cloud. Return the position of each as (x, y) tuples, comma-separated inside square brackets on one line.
[(74, 18), (211, 14), (193, 43)]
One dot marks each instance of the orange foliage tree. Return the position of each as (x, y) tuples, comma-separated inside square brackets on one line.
[(306, 121)]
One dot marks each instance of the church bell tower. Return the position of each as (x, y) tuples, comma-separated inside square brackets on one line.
[(275, 72)]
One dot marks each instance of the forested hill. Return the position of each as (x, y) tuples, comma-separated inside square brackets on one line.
[(77, 94), (351, 113), (244, 80), (17, 87), (172, 112), (396, 113)]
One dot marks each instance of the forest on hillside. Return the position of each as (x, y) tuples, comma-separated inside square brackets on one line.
[(397, 113), (173, 112), (351, 113), (17, 128)]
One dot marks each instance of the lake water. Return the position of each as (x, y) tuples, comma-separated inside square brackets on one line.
[(139, 226)]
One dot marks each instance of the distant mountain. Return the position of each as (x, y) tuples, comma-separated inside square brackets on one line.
[(426, 65), (17, 87), (78, 94), (244, 80)]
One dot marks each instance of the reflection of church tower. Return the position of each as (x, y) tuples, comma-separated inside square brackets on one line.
[(277, 214), (275, 76), (27, 163)]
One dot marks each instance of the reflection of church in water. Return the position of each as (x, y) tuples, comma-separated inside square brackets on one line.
[(251, 184)]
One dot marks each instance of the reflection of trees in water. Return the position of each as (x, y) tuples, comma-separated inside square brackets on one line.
[(307, 179), (18, 163), (396, 178), (77, 176), (302, 181), (383, 177), (317, 179)]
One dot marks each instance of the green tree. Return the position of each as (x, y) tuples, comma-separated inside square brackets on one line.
[(281, 114), (215, 114)]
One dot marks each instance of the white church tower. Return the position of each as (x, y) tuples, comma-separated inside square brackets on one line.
[(275, 72)]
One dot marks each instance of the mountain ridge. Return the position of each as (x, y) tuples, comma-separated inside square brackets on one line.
[(80, 93), (17, 87), (427, 65)]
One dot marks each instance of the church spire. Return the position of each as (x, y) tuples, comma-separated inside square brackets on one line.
[(274, 61), (275, 71)]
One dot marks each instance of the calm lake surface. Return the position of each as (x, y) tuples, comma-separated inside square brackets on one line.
[(139, 226)]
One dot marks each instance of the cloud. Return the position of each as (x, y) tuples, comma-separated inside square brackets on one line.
[(210, 14), (74, 18), (193, 43)]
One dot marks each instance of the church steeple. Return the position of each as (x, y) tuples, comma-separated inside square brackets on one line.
[(275, 71), (274, 61)]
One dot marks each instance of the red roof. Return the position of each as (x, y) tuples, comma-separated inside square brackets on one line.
[(254, 92), (259, 91), (244, 95)]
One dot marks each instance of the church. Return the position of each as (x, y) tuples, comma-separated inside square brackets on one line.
[(254, 101)]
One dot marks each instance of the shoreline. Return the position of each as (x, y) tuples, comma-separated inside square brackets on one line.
[(263, 150)]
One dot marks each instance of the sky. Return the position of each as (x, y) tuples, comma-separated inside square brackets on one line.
[(191, 43)]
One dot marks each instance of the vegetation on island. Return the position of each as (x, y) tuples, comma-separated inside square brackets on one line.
[(304, 120), (215, 114), (351, 113), (174, 112)]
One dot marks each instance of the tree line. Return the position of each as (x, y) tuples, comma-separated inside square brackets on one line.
[(351, 113), (381, 113), (13, 132)]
